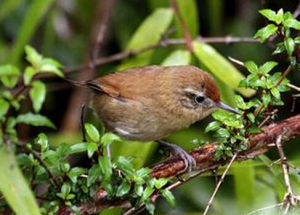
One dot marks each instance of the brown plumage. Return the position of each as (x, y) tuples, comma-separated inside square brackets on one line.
[(149, 103)]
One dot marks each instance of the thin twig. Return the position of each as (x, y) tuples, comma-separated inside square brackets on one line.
[(219, 184), (101, 32), (297, 11), (295, 96), (283, 164), (285, 73), (265, 208), (162, 43), (293, 86), (103, 11), (268, 118), (41, 161), (184, 28), (289, 199), (238, 62)]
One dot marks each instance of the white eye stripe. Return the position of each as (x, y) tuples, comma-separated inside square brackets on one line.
[(194, 92)]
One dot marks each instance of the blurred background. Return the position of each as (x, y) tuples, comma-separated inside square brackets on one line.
[(67, 31)]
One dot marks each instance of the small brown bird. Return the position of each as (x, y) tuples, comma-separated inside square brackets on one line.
[(149, 103)]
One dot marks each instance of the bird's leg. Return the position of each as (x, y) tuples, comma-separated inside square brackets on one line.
[(189, 161), (82, 121)]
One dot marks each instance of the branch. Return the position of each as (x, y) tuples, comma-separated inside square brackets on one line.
[(290, 199), (103, 11), (219, 184), (205, 158), (162, 43), (185, 30)]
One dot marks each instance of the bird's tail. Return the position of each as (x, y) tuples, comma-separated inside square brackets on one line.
[(75, 83)]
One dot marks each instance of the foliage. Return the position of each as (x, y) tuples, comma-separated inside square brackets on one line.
[(47, 172), (234, 130), (42, 165)]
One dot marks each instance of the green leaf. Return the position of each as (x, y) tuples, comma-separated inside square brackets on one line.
[(65, 191), (150, 207), (287, 15), (143, 172), (33, 56), (297, 40), (4, 107), (266, 99), (105, 167), (148, 33), (92, 132), (138, 189), (9, 75), (178, 57), (75, 172), (147, 193), (42, 140), (28, 74), (65, 167), (14, 187), (240, 102), (34, 14), (269, 14), (222, 132), (279, 48), (91, 148), (267, 67), (265, 32), (109, 138), (37, 95), (124, 165), (34, 119), (292, 23), (212, 126), (49, 65), (94, 173), (275, 92), (220, 67), (279, 16), (289, 45), (283, 85), (123, 189), (251, 117), (77, 148), (160, 182), (251, 67), (168, 196)]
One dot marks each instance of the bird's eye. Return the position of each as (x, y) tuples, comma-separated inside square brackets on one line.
[(199, 99)]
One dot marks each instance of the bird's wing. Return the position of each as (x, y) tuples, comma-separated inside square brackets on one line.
[(126, 84), (100, 86)]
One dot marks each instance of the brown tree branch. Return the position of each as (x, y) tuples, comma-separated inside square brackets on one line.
[(205, 158), (162, 43), (290, 199), (103, 12)]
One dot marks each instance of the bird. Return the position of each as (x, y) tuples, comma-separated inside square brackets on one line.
[(149, 103)]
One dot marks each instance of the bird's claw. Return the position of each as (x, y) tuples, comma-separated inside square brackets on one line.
[(189, 161)]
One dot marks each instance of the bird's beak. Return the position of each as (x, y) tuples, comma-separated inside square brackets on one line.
[(226, 107)]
